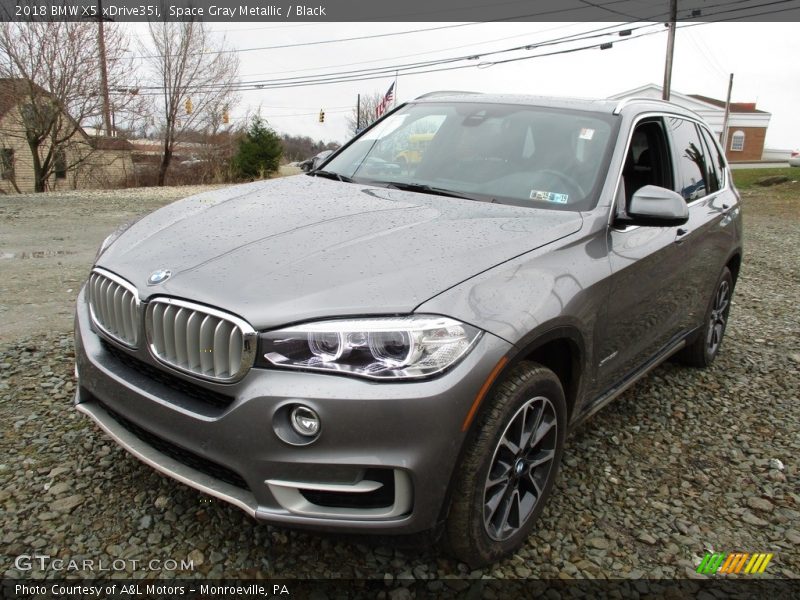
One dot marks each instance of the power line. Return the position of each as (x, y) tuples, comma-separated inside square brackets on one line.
[(380, 35), (424, 67), (367, 75), (365, 62), (386, 69)]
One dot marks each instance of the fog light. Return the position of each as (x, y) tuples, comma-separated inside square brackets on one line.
[(305, 421)]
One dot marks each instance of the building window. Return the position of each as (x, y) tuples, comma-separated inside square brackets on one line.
[(60, 165), (7, 163), (737, 141)]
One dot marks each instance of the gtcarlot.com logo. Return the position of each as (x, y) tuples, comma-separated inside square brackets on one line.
[(44, 562), (722, 563)]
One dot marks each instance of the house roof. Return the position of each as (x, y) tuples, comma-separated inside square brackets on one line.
[(110, 143), (12, 90), (737, 107), (696, 102)]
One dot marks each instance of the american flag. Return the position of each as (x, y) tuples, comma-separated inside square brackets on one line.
[(384, 104)]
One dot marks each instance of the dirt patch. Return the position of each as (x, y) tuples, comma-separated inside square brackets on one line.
[(48, 243)]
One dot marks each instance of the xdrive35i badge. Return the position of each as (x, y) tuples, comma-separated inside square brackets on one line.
[(159, 276)]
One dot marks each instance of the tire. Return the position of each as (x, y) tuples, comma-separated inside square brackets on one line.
[(704, 349), (529, 395)]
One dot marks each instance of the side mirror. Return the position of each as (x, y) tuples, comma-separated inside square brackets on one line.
[(658, 207)]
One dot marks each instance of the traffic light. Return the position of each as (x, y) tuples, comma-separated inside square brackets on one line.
[(321, 116), (188, 106)]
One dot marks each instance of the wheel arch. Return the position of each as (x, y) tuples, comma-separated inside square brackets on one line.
[(734, 264), (561, 349)]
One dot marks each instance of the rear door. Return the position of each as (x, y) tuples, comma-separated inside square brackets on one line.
[(706, 239)]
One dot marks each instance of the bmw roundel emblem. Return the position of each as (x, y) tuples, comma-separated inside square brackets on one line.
[(159, 276)]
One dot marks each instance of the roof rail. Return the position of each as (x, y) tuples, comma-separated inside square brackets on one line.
[(625, 101), (447, 93)]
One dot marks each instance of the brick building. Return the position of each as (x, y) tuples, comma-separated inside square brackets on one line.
[(747, 125)]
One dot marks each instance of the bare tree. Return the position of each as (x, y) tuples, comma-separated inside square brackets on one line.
[(367, 113), (51, 76), (197, 75)]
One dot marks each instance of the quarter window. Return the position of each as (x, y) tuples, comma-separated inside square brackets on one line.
[(737, 141), (692, 171), (715, 164)]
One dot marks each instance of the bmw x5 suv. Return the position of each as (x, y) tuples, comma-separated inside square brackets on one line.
[(403, 348)]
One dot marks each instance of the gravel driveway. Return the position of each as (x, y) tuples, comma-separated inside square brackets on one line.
[(685, 462)]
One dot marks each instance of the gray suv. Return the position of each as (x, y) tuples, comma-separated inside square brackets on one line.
[(402, 346)]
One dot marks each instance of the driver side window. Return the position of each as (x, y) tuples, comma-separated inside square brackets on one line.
[(647, 161)]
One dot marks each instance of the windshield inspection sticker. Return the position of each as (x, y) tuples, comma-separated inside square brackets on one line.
[(586, 133), (549, 197)]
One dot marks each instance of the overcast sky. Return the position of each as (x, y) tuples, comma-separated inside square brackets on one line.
[(762, 56)]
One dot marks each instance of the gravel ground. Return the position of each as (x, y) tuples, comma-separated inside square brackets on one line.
[(687, 461)]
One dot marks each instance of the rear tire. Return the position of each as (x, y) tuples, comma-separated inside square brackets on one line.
[(507, 473), (704, 349)]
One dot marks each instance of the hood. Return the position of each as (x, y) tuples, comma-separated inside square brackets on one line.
[(297, 248)]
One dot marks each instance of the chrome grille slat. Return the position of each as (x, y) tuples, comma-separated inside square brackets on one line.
[(169, 332), (119, 318), (206, 345), (235, 346), (108, 309), (221, 352), (200, 340), (193, 340), (114, 306), (181, 355)]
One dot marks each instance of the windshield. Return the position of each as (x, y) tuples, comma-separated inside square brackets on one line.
[(518, 154)]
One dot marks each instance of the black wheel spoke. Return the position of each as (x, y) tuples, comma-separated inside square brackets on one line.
[(490, 507), (544, 429), (541, 458), (531, 479)]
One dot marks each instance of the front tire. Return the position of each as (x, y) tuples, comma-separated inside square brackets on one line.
[(704, 349), (508, 472)]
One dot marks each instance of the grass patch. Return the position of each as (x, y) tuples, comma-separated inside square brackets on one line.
[(746, 178)]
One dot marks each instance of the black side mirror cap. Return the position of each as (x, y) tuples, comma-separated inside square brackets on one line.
[(657, 207)]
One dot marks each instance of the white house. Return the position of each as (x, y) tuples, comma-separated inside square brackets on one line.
[(747, 126)]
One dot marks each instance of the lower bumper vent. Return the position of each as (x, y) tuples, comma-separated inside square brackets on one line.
[(183, 456)]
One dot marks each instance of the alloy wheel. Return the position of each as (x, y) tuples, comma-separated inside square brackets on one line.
[(520, 468), (719, 315)]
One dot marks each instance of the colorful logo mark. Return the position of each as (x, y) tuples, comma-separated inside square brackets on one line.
[(734, 563)]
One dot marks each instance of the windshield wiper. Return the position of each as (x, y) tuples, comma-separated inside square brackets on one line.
[(331, 175), (425, 189)]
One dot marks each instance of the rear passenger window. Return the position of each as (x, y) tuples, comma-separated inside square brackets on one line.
[(690, 158), (716, 164)]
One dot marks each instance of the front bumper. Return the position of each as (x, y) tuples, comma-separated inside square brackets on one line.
[(409, 434)]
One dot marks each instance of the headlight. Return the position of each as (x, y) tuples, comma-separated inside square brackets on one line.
[(378, 348)]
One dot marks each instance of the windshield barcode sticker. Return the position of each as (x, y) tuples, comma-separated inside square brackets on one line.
[(549, 197)]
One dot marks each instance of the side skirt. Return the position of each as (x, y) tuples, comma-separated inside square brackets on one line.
[(606, 397)]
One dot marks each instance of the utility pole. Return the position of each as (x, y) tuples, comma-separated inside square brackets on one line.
[(727, 116), (673, 16), (101, 43)]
